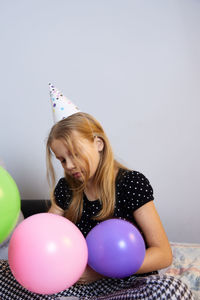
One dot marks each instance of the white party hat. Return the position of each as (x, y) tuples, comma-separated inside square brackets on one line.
[(62, 107)]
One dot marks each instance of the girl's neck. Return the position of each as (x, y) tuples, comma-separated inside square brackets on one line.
[(91, 191), (91, 194)]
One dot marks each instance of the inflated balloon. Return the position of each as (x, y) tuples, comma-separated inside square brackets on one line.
[(9, 204), (115, 248), (47, 253)]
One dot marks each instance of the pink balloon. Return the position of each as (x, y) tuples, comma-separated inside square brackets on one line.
[(47, 253)]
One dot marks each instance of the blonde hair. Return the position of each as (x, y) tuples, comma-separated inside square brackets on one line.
[(104, 178)]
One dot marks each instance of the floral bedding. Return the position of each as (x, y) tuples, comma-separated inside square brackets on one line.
[(186, 265)]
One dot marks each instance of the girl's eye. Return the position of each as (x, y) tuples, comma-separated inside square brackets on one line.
[(63, 161)]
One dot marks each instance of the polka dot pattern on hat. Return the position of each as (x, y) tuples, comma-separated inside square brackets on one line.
[(62, 107)]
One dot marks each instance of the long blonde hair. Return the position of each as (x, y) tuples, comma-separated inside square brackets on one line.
[(104, 178)]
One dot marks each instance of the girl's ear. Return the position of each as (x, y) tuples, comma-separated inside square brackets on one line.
[(100, 143)]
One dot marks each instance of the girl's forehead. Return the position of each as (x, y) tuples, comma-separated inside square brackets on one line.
[(57, 144), (59, 148)]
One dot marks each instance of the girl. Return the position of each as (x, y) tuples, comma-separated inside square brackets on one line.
[(95, 188)]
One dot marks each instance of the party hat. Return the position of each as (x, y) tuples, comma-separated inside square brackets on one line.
[(62, 107)]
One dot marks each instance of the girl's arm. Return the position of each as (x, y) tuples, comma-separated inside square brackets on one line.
[(158, 253)]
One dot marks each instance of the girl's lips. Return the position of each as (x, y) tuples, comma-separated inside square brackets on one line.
[(76, 175)]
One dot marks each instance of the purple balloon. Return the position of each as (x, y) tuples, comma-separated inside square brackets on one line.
[(115, 248)]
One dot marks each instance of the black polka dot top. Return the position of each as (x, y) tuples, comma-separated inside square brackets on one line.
[(132, 191)]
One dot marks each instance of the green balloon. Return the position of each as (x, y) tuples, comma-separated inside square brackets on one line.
[(10, 204)]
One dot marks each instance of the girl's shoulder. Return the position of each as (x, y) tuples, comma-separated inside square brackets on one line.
[(133, 189), (131, 182), (62, 193), (132, 176), (62, 186)]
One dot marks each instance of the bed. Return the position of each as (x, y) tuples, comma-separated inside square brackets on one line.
[(186, 265), (186, 256)]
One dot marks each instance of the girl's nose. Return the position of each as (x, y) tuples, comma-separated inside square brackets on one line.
[(69, 164)]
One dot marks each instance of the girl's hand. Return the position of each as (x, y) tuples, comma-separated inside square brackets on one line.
[(89, 276)]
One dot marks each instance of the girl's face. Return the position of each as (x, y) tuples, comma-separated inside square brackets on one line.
[(91, 150)]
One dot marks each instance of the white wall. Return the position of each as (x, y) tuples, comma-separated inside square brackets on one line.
[(134, 65)]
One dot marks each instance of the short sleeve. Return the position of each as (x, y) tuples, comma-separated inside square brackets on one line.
[(62, 194), (140, 190), (133, 191)]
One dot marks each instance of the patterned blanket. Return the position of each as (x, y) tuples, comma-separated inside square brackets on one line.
[(186, 265)]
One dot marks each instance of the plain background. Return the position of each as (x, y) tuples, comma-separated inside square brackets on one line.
[(134, 65)]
